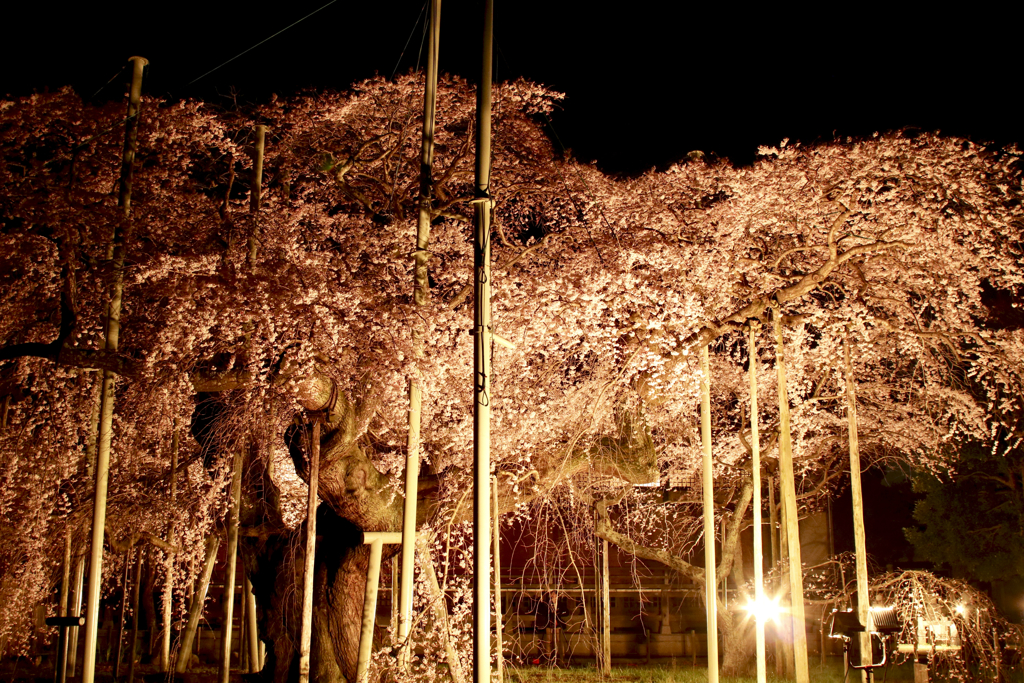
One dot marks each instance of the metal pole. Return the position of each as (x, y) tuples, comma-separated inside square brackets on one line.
[(482, 366), (168, 596), (113, 330), (376, 541), (788, 486), (310, 557), (497, 587), (710, 582), (421, 293), (195, 611), (859, 540), (755, 452), (232, 565)]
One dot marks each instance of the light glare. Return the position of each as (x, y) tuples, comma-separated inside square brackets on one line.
[(764, 610)]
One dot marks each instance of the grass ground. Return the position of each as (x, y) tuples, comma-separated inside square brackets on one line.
[(832, 672)]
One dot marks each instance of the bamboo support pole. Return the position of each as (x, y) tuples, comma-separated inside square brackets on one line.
[(499, 645), (256, 194), (136, 587), (306, 632), (167, 599), (116, 254), (61, 661), (710, 581), (376, 541), (232, 565), (859, 539), (606, 612), (482, 365), (438, 605), (76, 601), (755, 453), (124, 610), (252, 629), (788, 486), (421, 293), (195, 611)]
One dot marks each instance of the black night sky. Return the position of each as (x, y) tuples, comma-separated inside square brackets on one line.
[(646, 82)]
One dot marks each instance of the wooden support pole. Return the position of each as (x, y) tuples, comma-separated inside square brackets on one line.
[(755, 454), (482, 365), (710, 581), (421, 294), (376, 541), (136, 586), (606, 612), (167, 599), (76, 610), (251, 629), (309, 564), (116, 254), (61, 660), (788, 486), (500, 659), (124, 610), (859, 538), (440, 609), (195, 611), (256, 194), (232, 564)]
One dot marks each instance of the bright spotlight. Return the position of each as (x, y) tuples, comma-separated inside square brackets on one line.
[(765, 609), (961, 610)]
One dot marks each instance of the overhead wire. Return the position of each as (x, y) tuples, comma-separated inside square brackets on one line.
[(294, 23)]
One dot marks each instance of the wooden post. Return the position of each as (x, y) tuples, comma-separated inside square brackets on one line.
[(859, 540), (61, 660), (195, 610), (755, 453), (167, 600), (482, 366), (710, 582), (124, 610), (606, 612), (421, 293), (310, 557), (255, 194), (500, 660), (773, 532), (76, 601), (232, 564), (376, 541), (788, 485), (115, 254), (136, 585), (251, 629), (438, 604)]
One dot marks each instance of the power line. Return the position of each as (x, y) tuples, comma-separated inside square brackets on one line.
[(262, 41)]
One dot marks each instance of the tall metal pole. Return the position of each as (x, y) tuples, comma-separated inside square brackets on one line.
[(755, 452), (421, 292), (859, 540), (710, 581), (113, 329), (482, 366), (788, 486), (376, 541), (306, 633), (606, 612), (231, 570)]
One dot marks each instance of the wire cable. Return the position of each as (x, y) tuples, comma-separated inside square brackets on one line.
[(409, 40), (261, 42)]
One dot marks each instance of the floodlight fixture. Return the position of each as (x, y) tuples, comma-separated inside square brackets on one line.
[(764, 610)]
